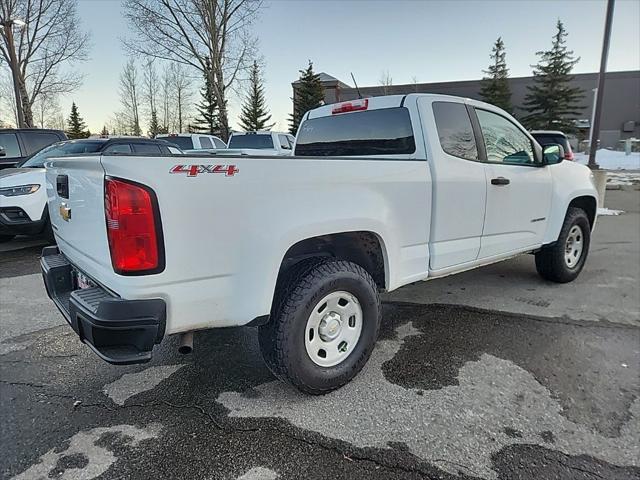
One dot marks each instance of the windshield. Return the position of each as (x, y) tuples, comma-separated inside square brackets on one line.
[(185, 143), (58, 150), (263, 141)]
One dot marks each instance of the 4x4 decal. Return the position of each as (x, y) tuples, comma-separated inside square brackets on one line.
[(193, 170)]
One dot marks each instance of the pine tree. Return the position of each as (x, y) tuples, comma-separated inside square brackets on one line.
[(76, 125), (207, 121), (154, 126), (105, 132), (309, 94), (254, 115), (552, 102), (495, 86)]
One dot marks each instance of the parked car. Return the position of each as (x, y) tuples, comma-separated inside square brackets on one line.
[(18, 144), (382, 192), (194, 141), (260, 143), (545, 137), (23, 197)]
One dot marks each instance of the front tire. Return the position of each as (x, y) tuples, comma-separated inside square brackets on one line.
[(323, 326), (563, 261)]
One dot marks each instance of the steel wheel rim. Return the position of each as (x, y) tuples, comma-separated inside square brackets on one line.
[(333, 329), (574, 246)]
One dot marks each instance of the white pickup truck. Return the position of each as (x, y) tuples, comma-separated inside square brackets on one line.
[(381, 192)]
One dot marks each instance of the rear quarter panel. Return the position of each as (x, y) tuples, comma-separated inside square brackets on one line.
[(225, 236)]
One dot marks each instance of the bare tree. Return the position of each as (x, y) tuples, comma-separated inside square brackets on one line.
[(50, 39), (212, 36), (45, 108), (181, 84), (130, 98), (385, 81)]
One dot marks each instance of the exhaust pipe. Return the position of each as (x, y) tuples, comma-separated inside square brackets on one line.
[(186, 343)]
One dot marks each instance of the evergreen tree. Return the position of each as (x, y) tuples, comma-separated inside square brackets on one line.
[(104, 132), (552, 102), (76, 125), (495, 86), (207, 120), (254, 115), (309, 94), (154, 126)]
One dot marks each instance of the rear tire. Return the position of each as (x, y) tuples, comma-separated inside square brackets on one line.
[(323, 326), (563, 261), (6, 238)]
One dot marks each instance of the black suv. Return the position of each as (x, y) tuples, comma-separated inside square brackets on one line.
[(17, 144)]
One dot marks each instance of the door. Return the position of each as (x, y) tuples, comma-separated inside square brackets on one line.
[(518, 188), (459, 185)]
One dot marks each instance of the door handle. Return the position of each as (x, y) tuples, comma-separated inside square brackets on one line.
[(500, 181)]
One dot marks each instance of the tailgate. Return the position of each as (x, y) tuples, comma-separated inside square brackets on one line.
[(75, 194)]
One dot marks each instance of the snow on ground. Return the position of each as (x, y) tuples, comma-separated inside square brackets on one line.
[(623, 178), (609, 211), (612, 160)]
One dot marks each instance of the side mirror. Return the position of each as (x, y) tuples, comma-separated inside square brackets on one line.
[(552, 153), (3, 152)]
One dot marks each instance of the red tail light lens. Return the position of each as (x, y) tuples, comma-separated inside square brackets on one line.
[(352, 106), (132, 228)]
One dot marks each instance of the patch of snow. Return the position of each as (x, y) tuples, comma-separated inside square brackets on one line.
[(608, 211), (612, 160), (626, 178), (259, 473)]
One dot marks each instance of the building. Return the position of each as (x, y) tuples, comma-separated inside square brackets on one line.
[(620, 113)]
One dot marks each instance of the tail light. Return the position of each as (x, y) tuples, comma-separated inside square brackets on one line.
[(568, 155), (133, 228), (352, 106)]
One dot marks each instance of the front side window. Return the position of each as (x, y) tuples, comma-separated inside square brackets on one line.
[(219, 143), (205, 142), (455, 130), (284, 142), (385, 131), (505, 142), (118, 148), (9, 142)]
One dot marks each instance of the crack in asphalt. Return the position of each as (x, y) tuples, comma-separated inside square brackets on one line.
[(230, 429)]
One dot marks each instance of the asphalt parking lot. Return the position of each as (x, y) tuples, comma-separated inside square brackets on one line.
[(491, 374)]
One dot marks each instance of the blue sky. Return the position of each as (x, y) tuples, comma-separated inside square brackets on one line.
[(429, 40)]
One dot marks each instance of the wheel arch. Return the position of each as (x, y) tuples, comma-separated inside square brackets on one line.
[(587, 203), (364, 248)]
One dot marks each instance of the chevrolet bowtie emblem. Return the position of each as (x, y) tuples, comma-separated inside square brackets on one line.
[(65, 212)]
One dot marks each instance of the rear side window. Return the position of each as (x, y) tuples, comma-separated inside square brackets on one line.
[(34, 141), (205, 142), (9, 142), (454, 130), (146, 148), (374, 132), (219, 143)]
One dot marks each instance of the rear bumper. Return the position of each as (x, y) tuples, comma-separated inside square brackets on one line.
[(119, 331), (15, 221)]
